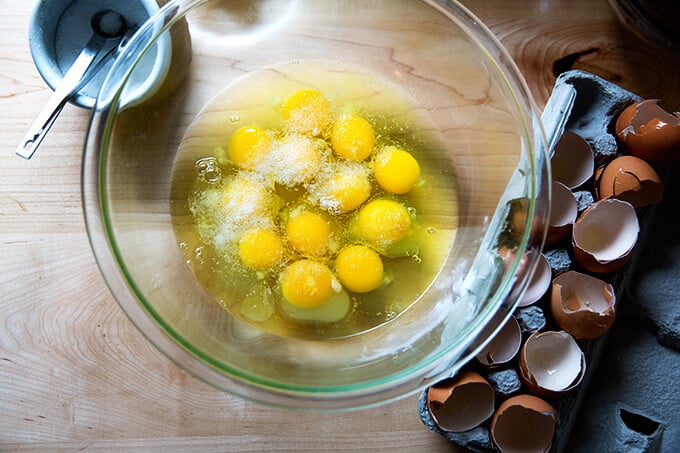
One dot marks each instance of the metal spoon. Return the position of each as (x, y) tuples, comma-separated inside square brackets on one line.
[(106, 25)]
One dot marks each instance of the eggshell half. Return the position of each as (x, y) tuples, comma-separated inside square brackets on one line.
[(572, 163), (631, 179), (582, 305), (523, 423), (597, 178), (517, 217), (605, 235), (551, 363), (507, 255), (563, 212), (539, 284), (649, 132), (461, 403), (503, 347)]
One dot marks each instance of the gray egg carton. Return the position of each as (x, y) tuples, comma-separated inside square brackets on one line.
[(615, 408)]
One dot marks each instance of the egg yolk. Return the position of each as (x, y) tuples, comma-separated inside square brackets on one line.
[(308, 233), (343, 188), (246, 197), (359, 268), (396, 170), (247, 146), (307, 112), (294, 160), (352, 138), (383, 222), (307, 283), (349, 192), (260, 249)]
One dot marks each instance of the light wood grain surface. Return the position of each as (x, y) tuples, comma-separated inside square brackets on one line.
[(74, 372)]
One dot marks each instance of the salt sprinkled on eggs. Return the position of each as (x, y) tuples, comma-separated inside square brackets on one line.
[(225, 211), (307, 112), (341, 187), (245, 196), (294, 160)]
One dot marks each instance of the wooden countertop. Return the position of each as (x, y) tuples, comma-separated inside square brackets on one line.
[(76, 374)]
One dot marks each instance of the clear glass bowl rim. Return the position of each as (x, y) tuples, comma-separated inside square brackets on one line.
[(187, 357)]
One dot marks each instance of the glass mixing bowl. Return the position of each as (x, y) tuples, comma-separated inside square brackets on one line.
[(454, 71)]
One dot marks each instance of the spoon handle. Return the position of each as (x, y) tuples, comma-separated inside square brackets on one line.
[(73, 80)]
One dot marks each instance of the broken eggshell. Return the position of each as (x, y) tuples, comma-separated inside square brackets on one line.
[(461, 403), (582, 305), (597, 178), (605, 234), (518, 224), (507, 255), (503, 347), (572, 163), (539, 284), (630, 179), (649, 132), (523, 423), (563, 212), (551, 363)]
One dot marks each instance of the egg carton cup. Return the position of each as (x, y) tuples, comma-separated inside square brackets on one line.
[(588, 106)]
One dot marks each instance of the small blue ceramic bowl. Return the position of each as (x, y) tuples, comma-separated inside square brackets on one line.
[(60, 29)]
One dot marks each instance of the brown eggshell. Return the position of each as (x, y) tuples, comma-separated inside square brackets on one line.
[(503, 347), (631, 179), (582, 305), (523, 423), (518, 218), (508, 256), (597, 177), (624, 119), (649, 132), (461, 403), (605, 235), (551, 363), (563, 212), (572, 163), (539, 284), (518, 224)]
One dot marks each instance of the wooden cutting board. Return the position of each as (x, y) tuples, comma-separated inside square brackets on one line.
[(76, 374)]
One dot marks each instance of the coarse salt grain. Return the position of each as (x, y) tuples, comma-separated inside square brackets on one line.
[(294, 160), (336, 180), (224, 213)]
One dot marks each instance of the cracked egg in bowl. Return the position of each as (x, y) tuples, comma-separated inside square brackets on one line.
[(322, 207)]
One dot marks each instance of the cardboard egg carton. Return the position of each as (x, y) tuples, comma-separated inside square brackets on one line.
[(587, 105)]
